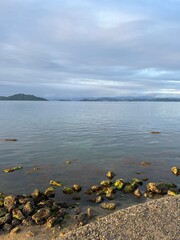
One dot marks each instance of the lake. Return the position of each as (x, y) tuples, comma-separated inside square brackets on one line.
[(94, 136)]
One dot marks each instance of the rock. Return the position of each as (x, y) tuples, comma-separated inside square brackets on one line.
[(95, 188), (137, 193), (68, 162), (76, 188), (28, 221), (175, 171), (137, 181), (51, 221), (155, 132), (55, 183), (119, 184), (145, 163), (99, 199), (110, 196), (145, 179), (28, 208), (88, 192), (159, 187), (37, 196), (90, 213), (148, 194), (8, 170), (130, 187), (3, 212), (109, 190), (68, 190), (15, 230), (23, 200), (106, 183), (7, 227), (10, 202), (110, 174), (41, 215), (15, 222), (110, 206), (17, 214), (8, 140), (6, 219), (171, 193), (50, 192)]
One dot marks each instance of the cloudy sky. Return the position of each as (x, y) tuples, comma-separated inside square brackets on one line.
[(78, 48)]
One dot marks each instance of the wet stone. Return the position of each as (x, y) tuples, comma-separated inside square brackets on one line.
[(15, 222), (99, 199), (137, 193), (175, 171), (76, 188), (110, 196)]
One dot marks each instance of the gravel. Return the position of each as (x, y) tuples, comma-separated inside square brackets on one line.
[(156, 219)]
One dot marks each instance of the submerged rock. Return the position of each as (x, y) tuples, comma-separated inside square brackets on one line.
[(155, 132), (109, 206), (110, 175), (145, 163), (175, 171), (68, 190), (130, 187)]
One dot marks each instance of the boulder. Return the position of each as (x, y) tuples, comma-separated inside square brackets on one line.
[(3, 212), (17, 214), (6, 219), (41, 215), (10, 202), (28, 208)]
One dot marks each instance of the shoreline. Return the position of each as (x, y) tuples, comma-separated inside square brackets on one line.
[(141, 221), (156, 219)]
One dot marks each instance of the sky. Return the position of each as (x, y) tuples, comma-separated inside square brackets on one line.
[(90, 48)]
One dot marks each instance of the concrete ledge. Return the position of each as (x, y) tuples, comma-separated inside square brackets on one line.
[(153, 220)]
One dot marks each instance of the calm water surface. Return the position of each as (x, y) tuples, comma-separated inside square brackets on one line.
[(95, 136)]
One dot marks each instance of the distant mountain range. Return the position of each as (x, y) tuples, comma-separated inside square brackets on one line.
[(22, 97), (130, 99)]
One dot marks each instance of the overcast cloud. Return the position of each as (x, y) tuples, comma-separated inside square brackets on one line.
[(75, 48)]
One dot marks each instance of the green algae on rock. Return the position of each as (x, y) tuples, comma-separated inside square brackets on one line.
[(55, 183), (8, 170), (119, 183)]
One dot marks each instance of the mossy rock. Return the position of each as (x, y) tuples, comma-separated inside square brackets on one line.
[(119, 184), (129, 187), (17, 214), (41, 215)]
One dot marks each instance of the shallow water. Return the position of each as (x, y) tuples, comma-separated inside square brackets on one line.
[(95, 136)]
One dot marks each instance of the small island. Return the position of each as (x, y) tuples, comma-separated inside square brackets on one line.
[(22, 97)]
